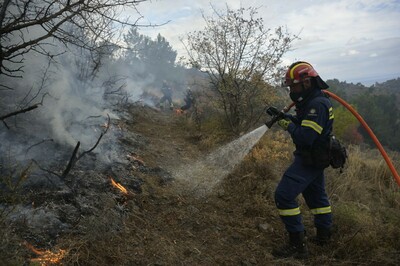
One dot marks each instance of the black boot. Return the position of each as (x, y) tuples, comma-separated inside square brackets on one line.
[(296, 248), (322, 237)]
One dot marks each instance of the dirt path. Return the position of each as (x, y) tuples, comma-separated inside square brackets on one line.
[(169, 144)]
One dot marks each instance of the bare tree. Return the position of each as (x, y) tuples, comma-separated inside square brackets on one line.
[(240, 56), (53, 19), (44, 26)]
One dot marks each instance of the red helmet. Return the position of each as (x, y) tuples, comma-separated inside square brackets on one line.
[(299, 71)]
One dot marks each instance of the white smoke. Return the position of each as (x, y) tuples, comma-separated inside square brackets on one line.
[(75, 105)]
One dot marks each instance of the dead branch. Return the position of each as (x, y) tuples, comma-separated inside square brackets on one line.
[(30, 108), (24, 110), (98, 140), (47, 171), (74, 158), (25, 102), (55, 19), (5, 124), (36, 144), (44, 169), (353, 236), (72, 161)]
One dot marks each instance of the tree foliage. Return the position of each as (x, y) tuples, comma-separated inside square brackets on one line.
[(379, 107), (346, 126), (239, 55), (382, 115), (157, 57)]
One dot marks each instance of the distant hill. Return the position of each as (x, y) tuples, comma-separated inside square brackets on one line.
[(378, 104), (392, 85), (350, 90)]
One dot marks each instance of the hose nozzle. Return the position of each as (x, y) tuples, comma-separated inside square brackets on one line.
[(276, 116)]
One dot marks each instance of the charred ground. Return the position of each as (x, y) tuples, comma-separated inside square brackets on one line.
[(165, 221)]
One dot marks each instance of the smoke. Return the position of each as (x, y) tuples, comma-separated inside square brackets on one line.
[(77, 98), (73, 109)]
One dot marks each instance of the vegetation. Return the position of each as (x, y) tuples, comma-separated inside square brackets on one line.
[(237, 222), (346, 126), (31, 26), (238, 56), (378, 105), (156, 57)]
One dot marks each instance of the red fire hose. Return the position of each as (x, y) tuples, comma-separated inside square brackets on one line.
[(363, 123), (370, 133)]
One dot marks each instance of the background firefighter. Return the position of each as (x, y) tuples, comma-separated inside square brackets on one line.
[(189, 100), (310, 129), (167, 96)]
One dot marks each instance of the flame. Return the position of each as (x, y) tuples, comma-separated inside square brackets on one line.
[(105, 125), (119, 186), (46, 257), (179, 111)]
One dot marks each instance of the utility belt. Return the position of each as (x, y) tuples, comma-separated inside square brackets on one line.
[(321, 155), (316, 156)]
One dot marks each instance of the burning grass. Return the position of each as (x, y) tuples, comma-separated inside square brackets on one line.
[(46, 257), (119, 186), (236, 224)]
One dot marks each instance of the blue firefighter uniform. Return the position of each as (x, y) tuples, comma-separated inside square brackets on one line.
[(310, 127)]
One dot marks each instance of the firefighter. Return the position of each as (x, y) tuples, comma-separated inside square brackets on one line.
[(309, 128), (189, 100), (167, 95)]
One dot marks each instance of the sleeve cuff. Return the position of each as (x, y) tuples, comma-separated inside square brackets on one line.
[(291, 127)]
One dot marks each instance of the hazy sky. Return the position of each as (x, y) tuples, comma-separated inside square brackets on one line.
[(352, 40)]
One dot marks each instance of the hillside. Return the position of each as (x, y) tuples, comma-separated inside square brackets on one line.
[(186, 221), (389, 86), (350, 91), (169, 219), (379, 105)]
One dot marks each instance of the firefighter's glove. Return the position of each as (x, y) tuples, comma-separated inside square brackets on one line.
[(283, 123)]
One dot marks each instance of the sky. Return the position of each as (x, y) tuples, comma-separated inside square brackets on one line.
[(351, 40)]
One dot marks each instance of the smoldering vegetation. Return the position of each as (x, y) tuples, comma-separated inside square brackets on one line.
[(64, 138)]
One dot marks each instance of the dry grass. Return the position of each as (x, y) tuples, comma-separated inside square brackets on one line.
[(11, 251), (236, 224), (366, 204)]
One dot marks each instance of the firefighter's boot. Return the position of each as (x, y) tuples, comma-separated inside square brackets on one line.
[(322, 237), (296, 248)]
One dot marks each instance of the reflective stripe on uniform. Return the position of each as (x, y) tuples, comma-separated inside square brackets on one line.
[(331, 116), (313, 125), (322, 210), (289, 212)]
